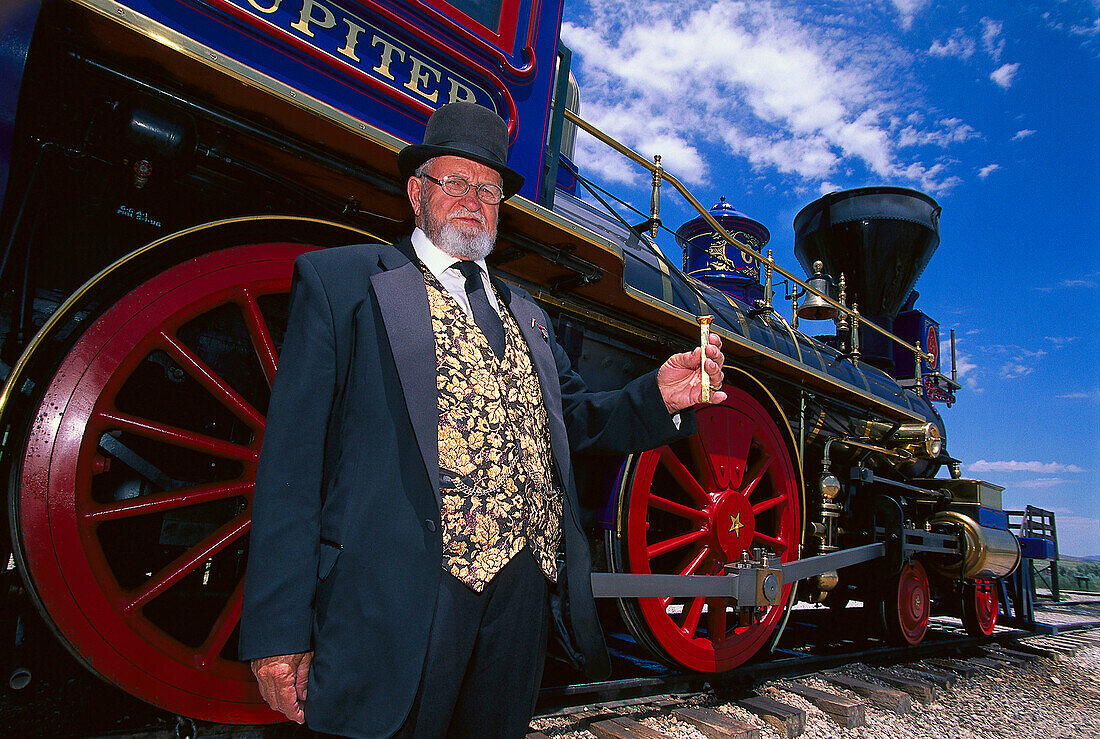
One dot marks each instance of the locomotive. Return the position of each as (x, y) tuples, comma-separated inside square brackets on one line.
[(165, 161)]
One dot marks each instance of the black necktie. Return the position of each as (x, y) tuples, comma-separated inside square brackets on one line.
[(485, 317)]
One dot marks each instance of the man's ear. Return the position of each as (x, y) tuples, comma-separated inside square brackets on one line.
[(413, 187)]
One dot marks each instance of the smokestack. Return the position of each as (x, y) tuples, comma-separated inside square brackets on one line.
[(881, 239)]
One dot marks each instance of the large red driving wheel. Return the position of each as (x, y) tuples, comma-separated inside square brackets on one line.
[(979, 607), (907, 604), (136, 480), (690, 508)]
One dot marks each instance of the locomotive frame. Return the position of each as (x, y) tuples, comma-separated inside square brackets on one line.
[(169, 159)]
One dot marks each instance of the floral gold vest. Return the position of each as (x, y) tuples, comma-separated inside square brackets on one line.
[(497, 490)]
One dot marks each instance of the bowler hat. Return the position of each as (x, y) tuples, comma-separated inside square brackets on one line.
[(464, 130)]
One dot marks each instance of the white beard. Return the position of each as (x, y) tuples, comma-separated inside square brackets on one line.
[(451, 240)]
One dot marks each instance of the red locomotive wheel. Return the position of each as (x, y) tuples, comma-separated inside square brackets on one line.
[(694, 506), (137, 476), (979, 607), (905, 609)]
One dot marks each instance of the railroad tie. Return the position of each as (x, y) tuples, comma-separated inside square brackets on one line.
[(715, 724), (957, 666), (1038, 650), (939, 678), (993, 664), (624, 728), (787, 720), (888, 698), (1001, 656), (1025, 656), (922, 690), (846, 712)]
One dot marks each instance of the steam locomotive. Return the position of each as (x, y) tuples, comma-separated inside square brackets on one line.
[(164, 161)]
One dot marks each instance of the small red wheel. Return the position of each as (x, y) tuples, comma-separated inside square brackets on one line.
[(690, 508), (136, 480), (905, 608), (979, 607)]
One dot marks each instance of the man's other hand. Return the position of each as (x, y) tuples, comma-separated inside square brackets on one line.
[(678, 377), (282, 682)]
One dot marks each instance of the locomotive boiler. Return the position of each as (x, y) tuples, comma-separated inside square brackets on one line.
[(164, 162)]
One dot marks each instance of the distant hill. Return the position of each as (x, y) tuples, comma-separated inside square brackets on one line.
[(1089, 558)]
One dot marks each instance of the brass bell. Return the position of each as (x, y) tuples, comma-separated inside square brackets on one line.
[(816, 308)]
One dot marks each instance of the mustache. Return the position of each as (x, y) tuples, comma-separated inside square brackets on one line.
[(461, 212)]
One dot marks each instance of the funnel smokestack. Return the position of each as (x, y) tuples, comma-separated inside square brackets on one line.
[(881, 238)]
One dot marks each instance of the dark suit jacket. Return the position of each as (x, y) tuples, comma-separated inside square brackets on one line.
[(346, 549)]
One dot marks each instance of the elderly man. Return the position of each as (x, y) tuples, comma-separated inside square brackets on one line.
[(415, 492)]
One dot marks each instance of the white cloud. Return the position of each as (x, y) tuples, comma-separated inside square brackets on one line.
[(1014, 466), (1039, 483), (992, 42), (1023, 133), (1087, 281), (988, 170), (908, 9), (959, 46), (964, 366), (815, 101), (1004, 74), (1015, 370), (950, 131), (1082, 395)]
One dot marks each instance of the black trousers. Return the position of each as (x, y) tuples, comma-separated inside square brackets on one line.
[(485, 657)]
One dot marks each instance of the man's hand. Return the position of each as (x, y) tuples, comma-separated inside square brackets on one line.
[(282, 682), (678, 377)]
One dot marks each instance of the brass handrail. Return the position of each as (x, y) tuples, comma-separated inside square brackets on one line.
[(664, 173)]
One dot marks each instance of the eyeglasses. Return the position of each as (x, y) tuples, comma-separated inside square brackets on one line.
[(457, 186)]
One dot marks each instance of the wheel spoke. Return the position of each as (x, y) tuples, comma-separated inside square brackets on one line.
[(261, 337), (223, 627), (756, 474), (664, 547), (177, 436), (739, 442), (767, 505), (209, 379), (691, 617), (778, 545), (683, 477), (169, 500), (716, 621), (701, 458), (696, 562), (677, 509), (187, 562)]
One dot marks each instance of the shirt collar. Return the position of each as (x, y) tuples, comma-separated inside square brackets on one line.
[(435, 259)]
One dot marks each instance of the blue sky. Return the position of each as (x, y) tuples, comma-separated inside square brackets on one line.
[(991, 108)]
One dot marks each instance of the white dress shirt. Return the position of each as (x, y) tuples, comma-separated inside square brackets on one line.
[(439, 264)]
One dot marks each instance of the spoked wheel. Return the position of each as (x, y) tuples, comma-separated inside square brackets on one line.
[(690, 508), (979, 607), (136, 480), (906, 605)]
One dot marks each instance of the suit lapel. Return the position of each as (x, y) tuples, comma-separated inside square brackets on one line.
[(403, 302), (531, 321)]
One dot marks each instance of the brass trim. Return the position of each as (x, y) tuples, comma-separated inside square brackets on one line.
[(803, 369), (77, 297), (638, 159)]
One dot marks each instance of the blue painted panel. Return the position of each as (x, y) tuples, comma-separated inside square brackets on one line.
[(388, 67), (16, 28), (1032, 548)]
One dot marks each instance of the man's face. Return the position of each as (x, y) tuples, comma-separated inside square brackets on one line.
[(463, 227)]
